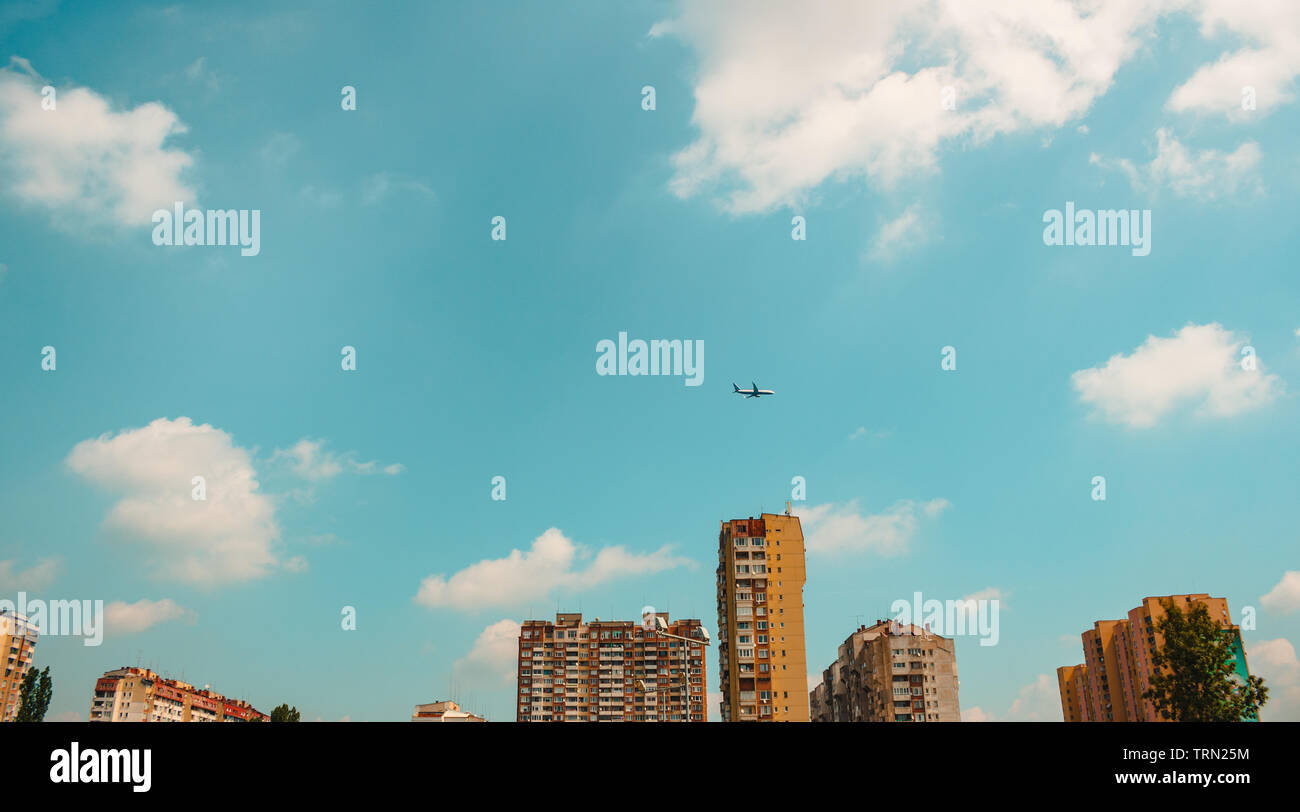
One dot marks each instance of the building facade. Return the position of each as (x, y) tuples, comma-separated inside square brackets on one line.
[(761, 659), (140, 695), (889, 672), (1117, 668), (447, 711), (18, 638), (610, 671)]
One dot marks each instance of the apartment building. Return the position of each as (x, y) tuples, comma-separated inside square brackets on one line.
[(760, 580), (889, 672), (1117, 668), (447, 711), (18, 638), (610, 671), (140, 695)]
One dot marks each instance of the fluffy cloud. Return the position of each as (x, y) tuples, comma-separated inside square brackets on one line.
[(226, 538), (1207, 174), (1200, 365), (1268, 59), (310, 460), (551, 563), (1285, 597), (33, 579), (790, 95), (85, 160), (129, 618), (1275, 661), (492, 659), (834, 528), (898, 235), (1039, 701)]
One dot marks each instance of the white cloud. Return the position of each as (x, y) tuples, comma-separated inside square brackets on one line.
[(199, 73), (1285, 597), (551, 563), (130, 618), (1268, 58), (310, 460), (1039, 701), (1275, 661), (85, 161), (493, 657), (1200, 364), (1208, 174), (296, 563), (975, 714), (790, 95), (33, 579), (323, 198), (279, 148), (226, 538), (898, 235), (831, 528), (379, 186)]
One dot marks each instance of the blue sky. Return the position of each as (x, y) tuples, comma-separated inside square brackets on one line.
[(476, 358)]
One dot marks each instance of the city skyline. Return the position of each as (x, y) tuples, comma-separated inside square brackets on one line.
[(402, 413)]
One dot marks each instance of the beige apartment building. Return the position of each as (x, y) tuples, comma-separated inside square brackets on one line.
[(1117, 668), (18, 638), (761, 660), (446, 711), (610, 671), (890, 672), (140, 695)]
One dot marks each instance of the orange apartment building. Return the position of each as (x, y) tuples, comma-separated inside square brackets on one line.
[(1117, 668), (18, 643), (140, 695), (761, 658), (610, 671)]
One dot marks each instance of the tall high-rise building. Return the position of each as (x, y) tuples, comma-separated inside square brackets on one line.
[(610, 671), (18, 643), (889, 672), (140, 695), (1117, 668), (764, 675)]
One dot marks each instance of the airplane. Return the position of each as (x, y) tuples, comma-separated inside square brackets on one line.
[(751, 393)]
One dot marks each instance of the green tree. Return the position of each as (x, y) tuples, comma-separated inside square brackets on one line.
[(1196, 679), (284, 713), (34, 696)]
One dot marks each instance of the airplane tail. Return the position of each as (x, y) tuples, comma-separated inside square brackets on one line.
[(734, 387)]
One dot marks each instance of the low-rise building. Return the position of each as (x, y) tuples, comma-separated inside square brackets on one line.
[(140, 695), (446, 711)]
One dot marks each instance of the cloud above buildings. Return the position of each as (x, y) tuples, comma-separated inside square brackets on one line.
[(226, 537), (131, 618), (36, 577), (85, 161), (843, 528), (553, 562), (788, 96), (1275, 661), (491, 661), (1285, 597), (1039, 701), (1199, 366)]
